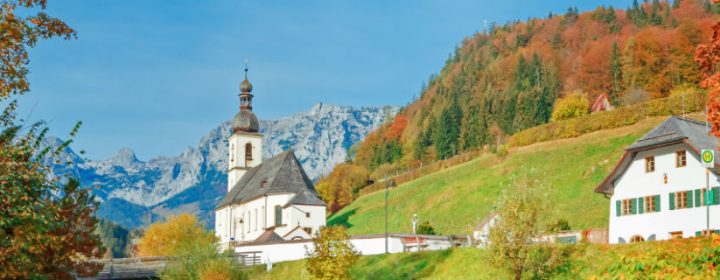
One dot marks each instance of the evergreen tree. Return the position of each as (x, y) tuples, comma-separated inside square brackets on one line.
[(448, 131), (615, 73)]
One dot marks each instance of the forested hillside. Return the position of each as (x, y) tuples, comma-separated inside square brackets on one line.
[(507, 79)]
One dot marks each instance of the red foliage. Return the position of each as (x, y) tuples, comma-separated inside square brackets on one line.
[(708, 56), (397, 128)]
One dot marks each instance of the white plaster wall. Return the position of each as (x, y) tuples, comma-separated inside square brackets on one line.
[(296, 216), (635, 182), (236, 155), (365, 246), (241, 222)]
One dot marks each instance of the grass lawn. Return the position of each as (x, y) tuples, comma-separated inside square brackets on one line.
[(454, 200), (694, 258)]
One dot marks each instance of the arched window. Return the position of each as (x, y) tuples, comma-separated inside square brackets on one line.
[(636, 239), (278, 215), (248, 153)]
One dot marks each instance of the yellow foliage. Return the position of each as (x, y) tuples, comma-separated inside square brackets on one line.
[(220, 269), (571, 106), (174, 237)]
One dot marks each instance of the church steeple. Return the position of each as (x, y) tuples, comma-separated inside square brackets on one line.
[(245, 143), (245, 120)]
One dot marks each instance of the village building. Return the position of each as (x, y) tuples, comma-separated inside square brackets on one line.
[(657, 190), (270, 200)]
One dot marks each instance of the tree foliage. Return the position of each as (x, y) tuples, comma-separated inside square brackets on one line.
[(426, 228), (48, 224), (178, 235), (571, 106), (332, 256), (341, 186), (512, 237), (708, 56)]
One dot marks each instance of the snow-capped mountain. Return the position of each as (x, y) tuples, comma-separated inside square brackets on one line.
[(134, 192)]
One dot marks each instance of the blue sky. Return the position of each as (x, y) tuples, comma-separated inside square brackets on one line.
[(155, 76)]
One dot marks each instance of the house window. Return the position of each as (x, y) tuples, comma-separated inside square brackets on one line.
[(650, 204), (649, 164), (676, 235), (680, 159), (627, 205), (307, 214), (681, 200), (248, 153), (636, 239), (278, 215)]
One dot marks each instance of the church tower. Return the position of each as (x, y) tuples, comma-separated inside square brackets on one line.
[(245, 144)]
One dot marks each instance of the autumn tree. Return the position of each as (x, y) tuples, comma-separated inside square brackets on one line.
[(512, 238), (171, 238), (615, 74), (571, 106), (332, 255), (342, 185), (708, 56), (47, 225)]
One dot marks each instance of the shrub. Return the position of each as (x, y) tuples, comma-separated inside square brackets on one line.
[(426, 228), (221, 269), (634, 96), (694, 102), (571, 106)]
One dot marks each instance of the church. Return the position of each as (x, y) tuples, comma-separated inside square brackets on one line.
[(266, 200)]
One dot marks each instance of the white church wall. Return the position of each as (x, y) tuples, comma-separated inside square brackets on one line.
[(236, 155), (635, 182), (298, 216)]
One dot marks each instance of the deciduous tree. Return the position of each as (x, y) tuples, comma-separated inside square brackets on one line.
[(332, 255), (180, 234)]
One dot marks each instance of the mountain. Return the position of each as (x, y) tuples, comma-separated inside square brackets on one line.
[(134, 192)]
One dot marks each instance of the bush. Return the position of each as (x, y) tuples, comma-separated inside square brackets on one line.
[(634, 96), (673, 105), (571, 106), (221, 269), (426, 228)]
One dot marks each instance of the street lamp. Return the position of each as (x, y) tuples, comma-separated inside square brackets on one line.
[(414, 223)]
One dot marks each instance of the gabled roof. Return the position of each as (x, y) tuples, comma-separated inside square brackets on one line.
[(279, 174), (674, 130), (268, 236)]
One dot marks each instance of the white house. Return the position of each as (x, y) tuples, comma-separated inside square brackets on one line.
[(657, 190), (266, 201)]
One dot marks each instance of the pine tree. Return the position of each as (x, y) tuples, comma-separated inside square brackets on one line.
[(615, 73), (448, 131)]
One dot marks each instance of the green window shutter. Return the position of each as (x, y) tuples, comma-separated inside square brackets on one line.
[(697, 233), (641, 205), (618, 207), (717, 231), (657, 203), (688, 196), (633, 206), (715, 196), (672, 201), (698, 203)]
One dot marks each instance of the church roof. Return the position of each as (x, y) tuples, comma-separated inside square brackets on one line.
[(279, 174), (672, 131)]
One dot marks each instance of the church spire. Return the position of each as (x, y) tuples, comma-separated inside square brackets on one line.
[(245, 120)]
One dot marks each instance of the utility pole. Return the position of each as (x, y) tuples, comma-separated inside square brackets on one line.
[(386, 214)]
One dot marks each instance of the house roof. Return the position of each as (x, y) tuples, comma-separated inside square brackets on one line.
[(269, 236), (674, 130), (279, 174)]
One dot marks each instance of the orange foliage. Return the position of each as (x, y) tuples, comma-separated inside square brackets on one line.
[(708, 56), (397, 128)]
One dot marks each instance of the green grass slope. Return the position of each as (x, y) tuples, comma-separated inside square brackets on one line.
[(454, 200), (694, 258)]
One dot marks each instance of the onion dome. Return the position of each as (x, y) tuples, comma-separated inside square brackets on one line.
[(245, 121), (245, 86)]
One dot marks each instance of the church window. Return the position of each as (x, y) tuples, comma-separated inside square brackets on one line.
[(307, 214), (256, 220), (232, 153), (308, 230), (278, 215), (248, 153), (249, 222)]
